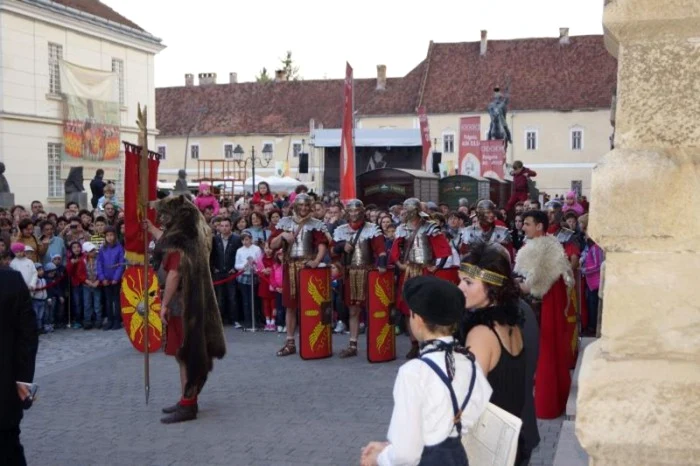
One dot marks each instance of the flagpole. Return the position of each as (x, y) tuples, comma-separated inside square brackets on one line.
[(143, 200), (354, 158)]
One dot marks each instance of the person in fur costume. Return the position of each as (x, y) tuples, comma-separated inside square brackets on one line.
[(547, 275), (195, 334)]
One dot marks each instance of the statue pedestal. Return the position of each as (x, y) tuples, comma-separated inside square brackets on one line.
[(7, 200), (80, 198)]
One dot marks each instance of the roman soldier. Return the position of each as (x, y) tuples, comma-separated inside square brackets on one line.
[(487, 231), (304, 240), (360, 244), (448, 267), (417, 245)]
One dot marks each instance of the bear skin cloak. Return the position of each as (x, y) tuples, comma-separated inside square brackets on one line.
[(189, 234)]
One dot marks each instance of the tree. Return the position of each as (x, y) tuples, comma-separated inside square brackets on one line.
[(291, 71), (263, 77)]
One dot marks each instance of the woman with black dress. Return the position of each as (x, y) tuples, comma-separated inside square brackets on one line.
[(493, 327)]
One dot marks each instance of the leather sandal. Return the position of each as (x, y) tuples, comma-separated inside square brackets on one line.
[(289, 348), (350, 351)]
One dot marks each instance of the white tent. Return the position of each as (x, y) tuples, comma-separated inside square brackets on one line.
[(276, 183)]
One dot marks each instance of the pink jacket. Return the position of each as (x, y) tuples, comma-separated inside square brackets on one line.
[(276, 277), (208, 200), (591, 266)]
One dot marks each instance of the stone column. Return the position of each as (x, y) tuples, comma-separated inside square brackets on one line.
[(639, 386)]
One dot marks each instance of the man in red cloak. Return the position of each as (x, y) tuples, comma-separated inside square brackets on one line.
[(546, 278)]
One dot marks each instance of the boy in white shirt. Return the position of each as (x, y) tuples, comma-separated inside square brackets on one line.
[(246, 258), (438, 396), (23, 264)]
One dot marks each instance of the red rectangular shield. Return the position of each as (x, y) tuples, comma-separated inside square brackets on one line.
[(381, 340), (315, 314)]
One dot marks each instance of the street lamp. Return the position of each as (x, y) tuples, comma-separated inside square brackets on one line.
[(240, 159)]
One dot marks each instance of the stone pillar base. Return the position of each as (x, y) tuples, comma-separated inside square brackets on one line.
[(80, 198), (7, 200)]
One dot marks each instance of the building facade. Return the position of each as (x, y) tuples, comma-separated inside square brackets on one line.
[(560, 92), (35, 36)]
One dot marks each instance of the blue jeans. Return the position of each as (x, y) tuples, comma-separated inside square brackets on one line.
[(113, 308), (39, 306), (76, 302), (592, 304), (51, 305), (248, 297), (281, 316), (92, 298)]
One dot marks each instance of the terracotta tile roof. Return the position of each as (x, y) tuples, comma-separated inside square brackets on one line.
[(97, 8), (544, 75), (454, 78)]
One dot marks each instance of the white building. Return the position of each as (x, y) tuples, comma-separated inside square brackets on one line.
[(35, 35)]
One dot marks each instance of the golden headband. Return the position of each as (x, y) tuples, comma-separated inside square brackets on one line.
[(486, 276)]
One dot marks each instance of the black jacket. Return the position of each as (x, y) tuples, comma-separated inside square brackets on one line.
[(18, 345), (221, 261), (97, 187)]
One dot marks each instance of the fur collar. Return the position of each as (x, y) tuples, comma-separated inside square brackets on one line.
[(542, 261)]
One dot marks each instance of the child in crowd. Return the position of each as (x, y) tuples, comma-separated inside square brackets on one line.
[(59, 292), (265, 290), (109, 196), (246, 258), (39, 297), (23, 264), (92, 290), (339, 312), (276, 279), (76, 271), (441, 394), (98, 238), (110, 268), (5, 259), (54, 297)]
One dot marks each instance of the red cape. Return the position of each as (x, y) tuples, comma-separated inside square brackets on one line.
[(552, 378)]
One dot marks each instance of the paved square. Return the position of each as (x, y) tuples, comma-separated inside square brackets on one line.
[(256, 409)]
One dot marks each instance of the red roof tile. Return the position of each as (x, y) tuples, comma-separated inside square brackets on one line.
[(544, 76), (97, 8)]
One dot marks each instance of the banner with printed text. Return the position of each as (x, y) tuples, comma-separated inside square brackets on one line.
[(469, 162), (493, 156), (424, 136), (91, 120)]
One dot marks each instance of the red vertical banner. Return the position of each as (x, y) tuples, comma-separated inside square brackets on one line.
[(424, 135), (347, 144), (134, 241), (469, 162), (493, 156)]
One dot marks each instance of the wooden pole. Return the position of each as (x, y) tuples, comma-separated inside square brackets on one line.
[(143, 201)]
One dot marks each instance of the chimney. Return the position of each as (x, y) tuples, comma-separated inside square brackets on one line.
[(206, 79), (189, 80), (563, 36), (280, 75), (381, 77), (483, 42), (233, 78)]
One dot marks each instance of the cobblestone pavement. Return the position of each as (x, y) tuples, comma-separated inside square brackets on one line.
[(256, 409)]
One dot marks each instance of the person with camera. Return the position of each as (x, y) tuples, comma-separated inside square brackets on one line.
[(18, 346)]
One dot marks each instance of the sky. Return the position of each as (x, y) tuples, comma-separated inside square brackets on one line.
[(243, 36)]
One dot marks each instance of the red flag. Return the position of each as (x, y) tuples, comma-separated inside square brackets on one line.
[(424, 135), (133, 216), (347, 149)]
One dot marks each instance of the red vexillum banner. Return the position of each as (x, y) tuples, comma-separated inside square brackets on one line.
[(424, 135), (348, 188), (134, 241)]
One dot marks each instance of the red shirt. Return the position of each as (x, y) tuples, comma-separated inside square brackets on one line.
[(260, 199), (172, 261)]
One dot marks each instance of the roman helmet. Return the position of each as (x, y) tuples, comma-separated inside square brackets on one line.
[(412, 207), (555, 212), (299, 200), (486, 211), (355, 210)]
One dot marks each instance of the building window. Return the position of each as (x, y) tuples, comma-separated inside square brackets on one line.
[(228, 151), (577, 139), (55, 54), (448, 143), (163, 152), (531, 140), (194, 151), (296, 149), (118, 68), (55, 183)]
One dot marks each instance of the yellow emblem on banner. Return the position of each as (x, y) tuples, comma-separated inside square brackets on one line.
[(311, 313), (382, 338), (379, 314)]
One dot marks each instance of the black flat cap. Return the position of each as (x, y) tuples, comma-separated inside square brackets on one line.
[(436, 300)]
